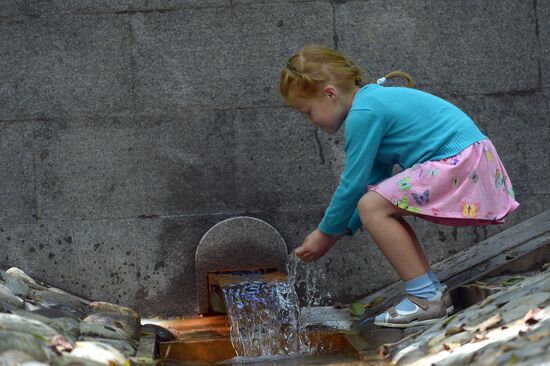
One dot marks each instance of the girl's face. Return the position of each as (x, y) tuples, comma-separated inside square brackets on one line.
[(327, 110)]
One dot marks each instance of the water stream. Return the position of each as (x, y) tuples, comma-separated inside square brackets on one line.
[(265, 316)]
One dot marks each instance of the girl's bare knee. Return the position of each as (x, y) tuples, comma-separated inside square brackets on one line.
[(372, 207)]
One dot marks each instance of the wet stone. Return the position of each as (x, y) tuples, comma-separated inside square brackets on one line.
[(17, 286), (15, 357), (125, 347), (61, 301), (105, 307), (102, 331), (162, 334), (8, 300), (115, 320), (54, 313), (65, 326), (98, 352), (17, 323), (28, 343), (16, 272)]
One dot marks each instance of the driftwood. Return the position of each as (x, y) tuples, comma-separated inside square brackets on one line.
[(473, 263)]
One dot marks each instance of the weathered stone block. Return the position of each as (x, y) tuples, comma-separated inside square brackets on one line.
[(12, 68), (12, 8), (221, 57), (543, 26), (16, 174), (127, 167), (452, 47), (281, 161), (77, 65), (89, 6)]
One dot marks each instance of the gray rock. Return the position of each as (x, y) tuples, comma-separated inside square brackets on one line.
[(103, 331), (98, 352), (11, 340), (163, 334), (114, 320), (105, 307), (17, 323), (69, 360), (68, 327), (16, 272), (125, 347), (59, 301), (8, 300), (14, 357), (517, 308), (16, 285)]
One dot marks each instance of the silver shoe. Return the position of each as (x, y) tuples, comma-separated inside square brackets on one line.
[(426, 312)]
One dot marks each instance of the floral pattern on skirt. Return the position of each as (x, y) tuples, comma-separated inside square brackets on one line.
[(470, 188)]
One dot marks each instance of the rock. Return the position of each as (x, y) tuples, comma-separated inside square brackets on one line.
[(54, 313), (68, 360), (17, 323), (16, 272), (163, 334), (74, 297), (8, 300), (116, 320), (59, 301), (99, 330), (31, 307), (112, 308), (98, 352), (125, 347), (517, 308), (65, 326), (17, 286), (14, 357), (24, 342)]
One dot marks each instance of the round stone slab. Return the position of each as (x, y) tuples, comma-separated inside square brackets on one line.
[(238, 243)]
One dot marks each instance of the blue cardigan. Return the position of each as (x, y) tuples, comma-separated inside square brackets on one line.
[(387, 126)]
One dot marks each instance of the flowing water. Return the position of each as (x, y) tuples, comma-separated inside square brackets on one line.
[(265, 316)]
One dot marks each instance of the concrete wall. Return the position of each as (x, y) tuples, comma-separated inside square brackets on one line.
[(129, 128)]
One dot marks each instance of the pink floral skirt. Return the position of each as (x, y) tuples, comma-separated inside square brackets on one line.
[(470, 188)]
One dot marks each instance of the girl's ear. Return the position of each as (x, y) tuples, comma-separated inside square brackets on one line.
[(330, 91)]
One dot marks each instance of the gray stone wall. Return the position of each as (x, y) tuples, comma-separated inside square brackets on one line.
[(129, 128)]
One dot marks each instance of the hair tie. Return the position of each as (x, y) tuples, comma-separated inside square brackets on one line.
[(381, 81)]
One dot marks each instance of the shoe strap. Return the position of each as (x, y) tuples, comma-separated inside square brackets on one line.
[(418, 301), (391, 310)]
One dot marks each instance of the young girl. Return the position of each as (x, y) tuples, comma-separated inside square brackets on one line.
[(451, 175)]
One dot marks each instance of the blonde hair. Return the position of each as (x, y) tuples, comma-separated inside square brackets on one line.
[(314, 66)]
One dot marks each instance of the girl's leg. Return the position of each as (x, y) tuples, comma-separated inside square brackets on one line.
[(381, 219), (417, 246)]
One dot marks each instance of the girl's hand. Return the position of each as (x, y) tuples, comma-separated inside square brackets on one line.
[(316, 245)]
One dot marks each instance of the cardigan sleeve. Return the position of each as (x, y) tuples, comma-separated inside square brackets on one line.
[(380, 171), (362, 137)]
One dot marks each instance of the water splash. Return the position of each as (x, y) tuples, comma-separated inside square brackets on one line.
[(265, 317)]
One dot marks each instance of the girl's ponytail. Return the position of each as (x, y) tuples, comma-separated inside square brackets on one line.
[(393, 74)]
